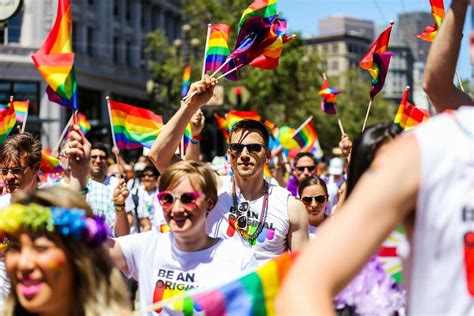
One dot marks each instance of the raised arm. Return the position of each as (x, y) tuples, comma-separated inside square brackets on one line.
[(162, 153), (194, 148), (355, 232), (442, 60), (298, 232)]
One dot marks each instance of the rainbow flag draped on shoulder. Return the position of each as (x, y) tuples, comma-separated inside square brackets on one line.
[(134, 127), (7, 121), (55, 59), (306, 135)]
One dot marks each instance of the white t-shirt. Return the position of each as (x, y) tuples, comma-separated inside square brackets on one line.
[(4, 282), (272, 241), (148, 203), (437, 271), (163, 271)]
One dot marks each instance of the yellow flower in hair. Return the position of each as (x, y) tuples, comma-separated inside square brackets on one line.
[(11, 218)]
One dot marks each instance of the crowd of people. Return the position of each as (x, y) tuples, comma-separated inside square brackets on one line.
[(108, 238)]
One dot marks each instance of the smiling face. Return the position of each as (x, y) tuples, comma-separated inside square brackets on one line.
[(304, 167), (247, 163), (188, 218), (40, 273), (18, 175), (98, 163), (315, 209)]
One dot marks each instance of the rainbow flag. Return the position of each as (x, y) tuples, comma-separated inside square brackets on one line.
[(273, 128), (134, 127), (252, 294), (55, 59), (49, 163), (186, 80), (329, 94), (408, 115), (438, 12), (223, 126), (21, 110), (267, 173), (270, 56), (218, 50), (235, 116), (7, 121), (388, 254), (84, 125), (379, 46), (187, 136), (266, 9), (306, 136), (382, 62)]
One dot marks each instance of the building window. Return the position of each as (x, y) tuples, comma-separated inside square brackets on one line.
[(90, 41), (116, 50), (335, 65), (128, 53), (12, 31), (128, 11), (116, 8), (335, 48)]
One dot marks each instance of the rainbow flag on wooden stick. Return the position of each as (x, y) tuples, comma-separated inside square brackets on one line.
[(7, 121), (134, 127), (438, 12), (49, 163), (379, 46), (306, 135), (21, 110), (329, 98), (218, 50), (186, 80), (84, 124), (408, 115), (55, 59)]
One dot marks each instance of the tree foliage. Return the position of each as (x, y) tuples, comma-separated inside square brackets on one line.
[(286, 95)]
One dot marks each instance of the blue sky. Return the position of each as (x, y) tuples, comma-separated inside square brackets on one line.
[(303, 16)]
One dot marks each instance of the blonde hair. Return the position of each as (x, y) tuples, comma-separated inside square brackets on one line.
[(99, 286), (199, 175)]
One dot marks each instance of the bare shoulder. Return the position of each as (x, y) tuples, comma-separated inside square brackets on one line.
[(296, 210)]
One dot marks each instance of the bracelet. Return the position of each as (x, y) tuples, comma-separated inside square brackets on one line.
[(84, 191), (194, 141), (119, 208)]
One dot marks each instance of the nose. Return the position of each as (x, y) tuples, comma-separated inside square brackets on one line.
[(26, 260)]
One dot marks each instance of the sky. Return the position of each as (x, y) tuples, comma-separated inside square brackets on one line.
[(303, 16)]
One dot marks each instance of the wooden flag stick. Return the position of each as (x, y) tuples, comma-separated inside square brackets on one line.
[(222, 66), (116, 152), (302, 125), (23, 125), (367, 114), (63, 133), (205, 50), (459, 81), (229, 72)]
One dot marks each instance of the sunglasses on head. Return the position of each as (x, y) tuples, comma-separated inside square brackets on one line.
[(237, 148), (307, 200), (310, 168), (167, 198), (242, 218)]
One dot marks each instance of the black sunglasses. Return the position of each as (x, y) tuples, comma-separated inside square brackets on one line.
[(237, 148), (307, 200), (310, 168), (242, 219)]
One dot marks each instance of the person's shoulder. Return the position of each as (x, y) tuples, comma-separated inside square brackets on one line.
[(149, 239)]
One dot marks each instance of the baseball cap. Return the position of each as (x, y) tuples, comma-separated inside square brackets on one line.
[(336, 166)]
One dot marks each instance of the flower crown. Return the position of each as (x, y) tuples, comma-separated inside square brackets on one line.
[(67, 222)]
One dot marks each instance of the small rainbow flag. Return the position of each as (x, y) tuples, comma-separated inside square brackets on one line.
[(273, 128), (235, 116), (223, 126), (55, 59), (187, 136), (267, 173), (438, 12), (134, 127), (49, 163), (21, 110), (408, 115), (306, 135), (382, 62), (266, 9), (379, 46), (84, 125), (7, 121), (186, 80), (252, 294), (329, 94), (218, 50)]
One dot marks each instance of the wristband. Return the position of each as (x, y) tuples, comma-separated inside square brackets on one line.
[(84, 191), (194, 141), (119, 208)]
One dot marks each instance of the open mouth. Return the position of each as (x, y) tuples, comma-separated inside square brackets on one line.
[(31, 287)]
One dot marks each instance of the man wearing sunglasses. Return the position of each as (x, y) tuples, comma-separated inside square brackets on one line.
[(261, 215), (305, 165)]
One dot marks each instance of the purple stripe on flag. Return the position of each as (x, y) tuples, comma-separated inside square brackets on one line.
[(382, 60)]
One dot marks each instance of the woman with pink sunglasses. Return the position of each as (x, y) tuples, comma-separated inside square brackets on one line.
[(186, 258)]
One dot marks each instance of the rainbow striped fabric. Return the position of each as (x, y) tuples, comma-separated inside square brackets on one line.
[(329, 94), (84, 124), (223, 126), (218, 50), (187, 136), (7, 121), (379, 46), (382, 62), (408, 115), (55, 59), (266, 9), (235, 116), (186, 80), (134, 127), (438, 12), (252, 294), (306, 136), (21, 110), (49, 163)]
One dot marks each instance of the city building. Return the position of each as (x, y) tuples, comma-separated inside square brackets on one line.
[(339, 24), (400, 72), (108, 40)]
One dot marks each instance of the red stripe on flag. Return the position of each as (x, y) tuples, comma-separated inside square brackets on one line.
[(388, 252)]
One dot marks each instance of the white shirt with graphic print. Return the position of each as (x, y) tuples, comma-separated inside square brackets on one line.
[(163, 271)]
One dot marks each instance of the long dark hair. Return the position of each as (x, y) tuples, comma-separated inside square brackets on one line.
[(364, 147)]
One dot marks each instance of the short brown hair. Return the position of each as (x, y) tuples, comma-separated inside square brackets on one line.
[(21, 147), (200, 175)]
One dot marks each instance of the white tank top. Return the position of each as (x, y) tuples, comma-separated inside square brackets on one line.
[(272, 241), (437, 272)]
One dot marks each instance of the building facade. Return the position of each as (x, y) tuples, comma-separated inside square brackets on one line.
[(109, 42)]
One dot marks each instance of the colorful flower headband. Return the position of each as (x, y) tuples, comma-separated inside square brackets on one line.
[(67, 222)]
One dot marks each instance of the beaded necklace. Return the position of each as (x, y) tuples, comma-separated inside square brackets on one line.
[(263, 214)]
